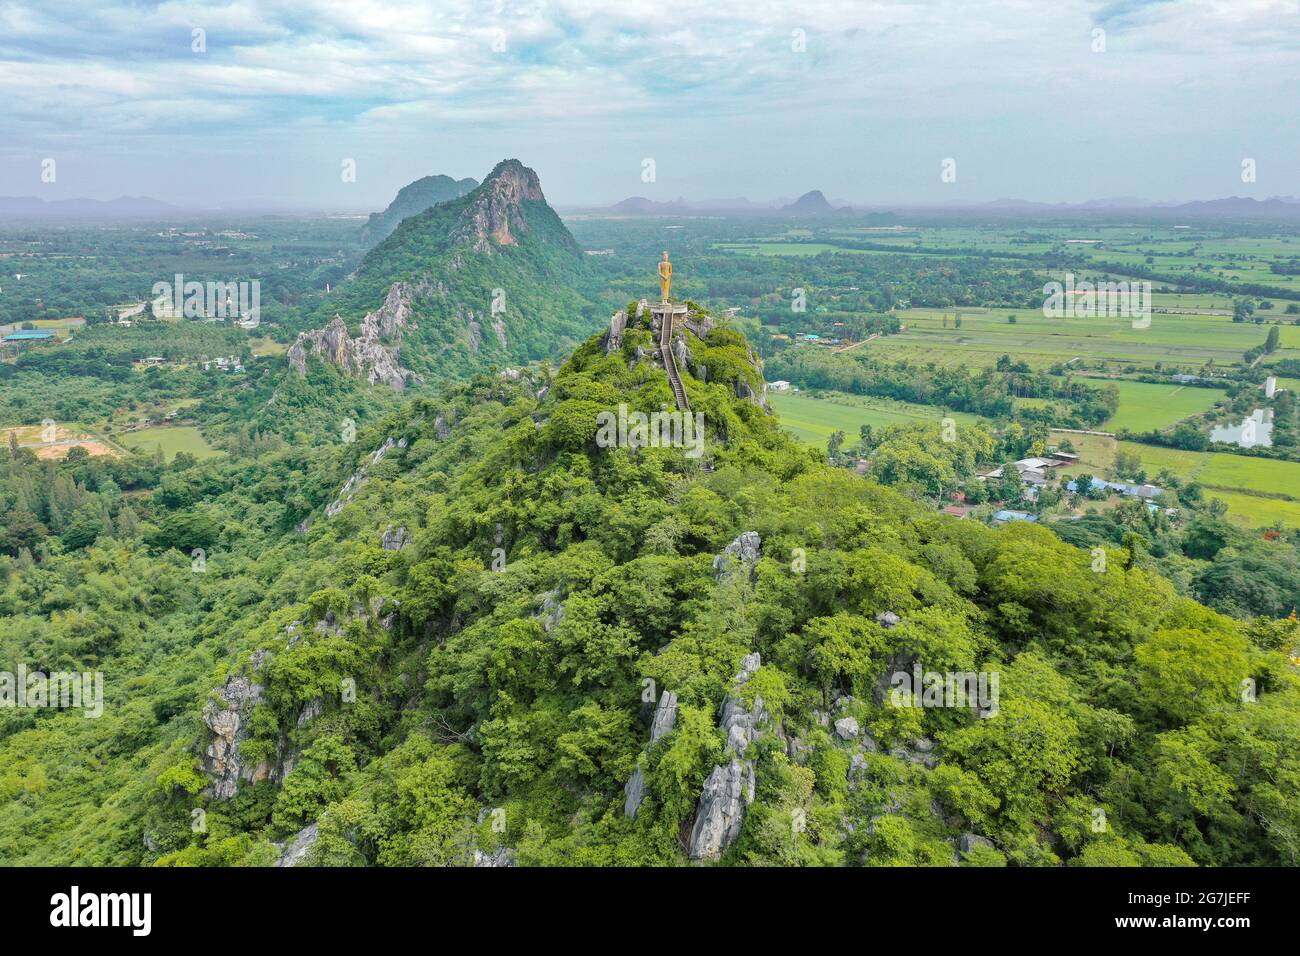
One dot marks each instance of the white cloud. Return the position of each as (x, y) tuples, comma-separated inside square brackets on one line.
[(926, 71)]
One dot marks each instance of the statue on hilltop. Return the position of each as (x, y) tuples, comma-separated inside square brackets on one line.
[(665, 277)]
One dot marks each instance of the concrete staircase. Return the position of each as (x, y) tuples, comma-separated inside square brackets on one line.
[(670, 362)]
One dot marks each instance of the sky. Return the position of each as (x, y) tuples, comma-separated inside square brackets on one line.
[(1050, 100)]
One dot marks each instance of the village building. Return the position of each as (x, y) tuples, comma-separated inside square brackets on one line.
[(1005, 516)]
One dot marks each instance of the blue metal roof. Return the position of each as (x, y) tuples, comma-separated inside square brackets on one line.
[(23, 334)]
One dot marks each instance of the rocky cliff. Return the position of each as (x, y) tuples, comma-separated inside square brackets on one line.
[(374, 353), (494, 215), (487, 278)]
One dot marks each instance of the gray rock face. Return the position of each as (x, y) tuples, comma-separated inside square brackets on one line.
[(680, 352), (296, 850), (739, 724), (502, 856), (898, 663), (857, 766), (228, 721), (441, 428), (634, 793), (846, 728), (358, 477), (310, 711), (395, 539), (614, 337), (727, 792), (971, 840), (699, 323), (665, 718), (745, 549), (887, 619), (730, 789), (365, 356), (552, 612), (495, 218), (665, 715)]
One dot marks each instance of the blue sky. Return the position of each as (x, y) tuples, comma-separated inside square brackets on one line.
[(863, 100)]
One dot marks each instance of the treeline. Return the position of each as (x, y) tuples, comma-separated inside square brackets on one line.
[(1188, 280), (991, 393)]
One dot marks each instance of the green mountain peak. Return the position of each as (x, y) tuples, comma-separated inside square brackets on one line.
[(484, 279)]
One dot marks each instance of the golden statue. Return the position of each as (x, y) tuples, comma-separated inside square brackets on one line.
[(665, 277)]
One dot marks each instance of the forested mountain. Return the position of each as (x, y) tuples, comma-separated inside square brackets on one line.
[(484, 280), (411, 199), (497, 639)]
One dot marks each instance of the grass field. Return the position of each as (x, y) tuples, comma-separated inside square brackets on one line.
[(173, 440), (262, 346), (813, 419), (1144, 406)]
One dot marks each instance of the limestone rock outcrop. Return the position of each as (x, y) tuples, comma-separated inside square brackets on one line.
[(665, 718), (614, 337), (501, 856), (745, 549), (227, 718), (494, 215), (727, 792), (729, 789), (970, 841), (296, 850), (358, 477), (366, 356), (395, 539), (634, 793)]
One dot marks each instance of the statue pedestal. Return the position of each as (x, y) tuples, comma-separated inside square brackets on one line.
[(665, 310)]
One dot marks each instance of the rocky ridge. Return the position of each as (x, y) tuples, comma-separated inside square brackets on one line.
[(368, 355)]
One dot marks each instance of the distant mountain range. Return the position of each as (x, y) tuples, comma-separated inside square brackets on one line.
[(814, 203), (124, 207), (431, 190)]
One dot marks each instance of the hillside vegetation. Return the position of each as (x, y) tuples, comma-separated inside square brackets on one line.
[(460, 659)]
